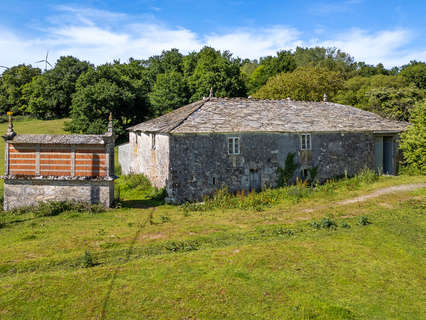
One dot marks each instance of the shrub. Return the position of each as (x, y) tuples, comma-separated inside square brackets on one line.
[(327, 223), (87, 260), (137, 186), (345, 225), (363, 221), (53, 208), (285, 175)]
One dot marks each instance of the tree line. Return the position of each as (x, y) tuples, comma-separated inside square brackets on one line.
[(138, 90)]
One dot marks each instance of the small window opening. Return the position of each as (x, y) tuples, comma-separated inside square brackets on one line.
[(233, 145), (152, 141), (305, 141), (214, 180)]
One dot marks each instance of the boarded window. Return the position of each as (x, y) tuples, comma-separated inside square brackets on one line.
[(233, 145), (305, 141)]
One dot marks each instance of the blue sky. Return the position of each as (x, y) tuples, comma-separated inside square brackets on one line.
[(392, 32)]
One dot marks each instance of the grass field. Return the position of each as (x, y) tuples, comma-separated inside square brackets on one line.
[(306, 258)]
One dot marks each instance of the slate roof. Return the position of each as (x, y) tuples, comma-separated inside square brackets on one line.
[(58, 138), (227, 115)]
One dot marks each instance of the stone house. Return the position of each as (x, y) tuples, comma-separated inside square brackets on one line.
[(41, 167), (240, 143)]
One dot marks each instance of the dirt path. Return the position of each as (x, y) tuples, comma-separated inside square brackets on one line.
[(380, 192), (375, 194)]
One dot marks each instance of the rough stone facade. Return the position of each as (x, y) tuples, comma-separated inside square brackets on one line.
[(28, 192), (191, 155), (58, 167), (200, 164)]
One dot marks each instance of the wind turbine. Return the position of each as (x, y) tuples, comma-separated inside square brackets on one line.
[(45, 61)]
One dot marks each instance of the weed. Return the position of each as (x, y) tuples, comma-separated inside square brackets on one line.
[(87, 260), (345, 225), (2, 220), (182, 246), (53, 208), (164, 219), (363, 221)]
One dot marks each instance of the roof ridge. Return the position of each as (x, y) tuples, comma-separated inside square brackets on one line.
[(186, 118)]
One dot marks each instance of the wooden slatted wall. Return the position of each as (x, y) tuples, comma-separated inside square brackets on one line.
[(57, 160)]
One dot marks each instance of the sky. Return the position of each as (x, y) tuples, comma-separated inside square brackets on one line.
[(391, 32)]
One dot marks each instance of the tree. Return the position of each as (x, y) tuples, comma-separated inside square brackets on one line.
[(330, 58), (393, 103), (49, 95), (168, 61), (12, 84), (169, 92), (305, 83), (213, 69), (355, 91), (118, 88), (415, 73), (413, 141)]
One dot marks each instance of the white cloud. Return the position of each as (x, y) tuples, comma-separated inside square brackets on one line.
[(256, 43), (85, 34), (387, 47)]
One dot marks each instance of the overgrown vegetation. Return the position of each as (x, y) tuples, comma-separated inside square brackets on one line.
[(286, 174), (53, 208), (138, 187), (223, 199)]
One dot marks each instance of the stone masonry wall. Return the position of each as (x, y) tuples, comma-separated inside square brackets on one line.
[(200, 163), (153, 162), (26, 192)]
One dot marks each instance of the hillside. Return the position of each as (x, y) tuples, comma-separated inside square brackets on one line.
[(307, 257)]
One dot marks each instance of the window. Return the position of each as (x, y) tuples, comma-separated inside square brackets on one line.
[(153, 141), (214, 180), (233, 145), (305, 141)]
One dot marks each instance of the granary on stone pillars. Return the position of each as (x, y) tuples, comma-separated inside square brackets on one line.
[(41, 167), (242, 143)]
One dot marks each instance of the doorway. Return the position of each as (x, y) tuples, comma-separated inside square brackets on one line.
[(384, 154), (255, 180)]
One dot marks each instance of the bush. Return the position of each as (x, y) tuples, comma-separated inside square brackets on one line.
[(363, 221), (87, 260)]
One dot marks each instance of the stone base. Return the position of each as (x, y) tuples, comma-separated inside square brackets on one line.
[(28, 192)]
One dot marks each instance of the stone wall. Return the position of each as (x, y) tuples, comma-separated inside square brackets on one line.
[(26, 192), (337, 154), (124, 157), (152, 161), (200, 163)]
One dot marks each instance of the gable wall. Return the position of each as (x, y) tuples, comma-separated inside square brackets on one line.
[(153, 163)]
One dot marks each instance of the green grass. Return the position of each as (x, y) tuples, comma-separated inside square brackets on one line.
[(300, 258)]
